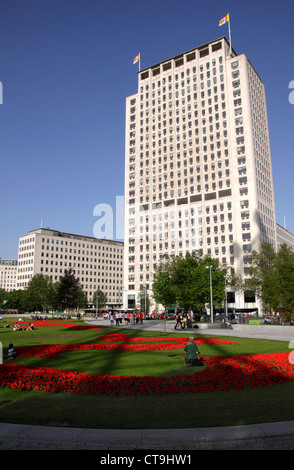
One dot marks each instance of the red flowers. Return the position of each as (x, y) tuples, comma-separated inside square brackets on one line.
[(40, 323), (118, 342), (221, 373)]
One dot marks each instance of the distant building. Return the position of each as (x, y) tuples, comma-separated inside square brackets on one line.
[(283, 236), (97, 263), (8, 274)]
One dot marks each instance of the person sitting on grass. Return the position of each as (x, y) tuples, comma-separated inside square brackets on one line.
[(192, 351), (11, 354), (30, 327)]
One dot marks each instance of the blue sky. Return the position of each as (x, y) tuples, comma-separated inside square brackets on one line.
[(66, 67)]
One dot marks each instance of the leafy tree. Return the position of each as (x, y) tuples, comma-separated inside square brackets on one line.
[(52, 296), (99, 299), (69, 291), (3, 295), (218, 274), (285, 275), (185, 281), (264, 280), (272, 278), (36, 296), (144, 300), (14, 300), (163, 288), (82, 299)]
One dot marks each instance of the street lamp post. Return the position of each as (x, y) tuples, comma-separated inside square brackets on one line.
[(226, 300), (211, 300), (97, 301)]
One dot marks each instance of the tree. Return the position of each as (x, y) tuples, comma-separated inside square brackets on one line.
[(3, 295), (52, 296), (99, 299), (218, 274), (69, 291), (185, 281), (36, 296), (144, 300), (264, 278), (14, 300), (163, 288), (272, 278), (285, 275)]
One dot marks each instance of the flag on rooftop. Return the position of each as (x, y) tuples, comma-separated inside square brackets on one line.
[(137, 58), (224, 20)]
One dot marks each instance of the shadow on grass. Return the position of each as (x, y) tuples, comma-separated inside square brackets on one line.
[(230, 407)]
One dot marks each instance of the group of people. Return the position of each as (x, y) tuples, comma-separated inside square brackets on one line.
[(131, 318), (17, 327), (38, 317)]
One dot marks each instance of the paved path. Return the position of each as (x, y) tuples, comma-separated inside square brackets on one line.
[(275, 332), (267, 436)]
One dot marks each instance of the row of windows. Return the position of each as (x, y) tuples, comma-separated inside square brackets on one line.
[(81, 245), (179, 62), (66, 244)]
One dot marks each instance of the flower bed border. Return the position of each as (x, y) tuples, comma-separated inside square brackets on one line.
[(221, 374), (115, 342)]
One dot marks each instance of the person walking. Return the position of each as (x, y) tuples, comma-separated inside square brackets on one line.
[(178, 321)]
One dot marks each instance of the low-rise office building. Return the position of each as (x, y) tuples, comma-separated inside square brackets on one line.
[(97, 263), (8, 274)]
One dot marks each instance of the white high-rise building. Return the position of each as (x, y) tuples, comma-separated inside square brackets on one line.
[(198, 172)]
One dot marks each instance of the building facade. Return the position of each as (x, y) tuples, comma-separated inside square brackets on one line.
[(8, 274), (198, 172), (284, 236), (97, 263)]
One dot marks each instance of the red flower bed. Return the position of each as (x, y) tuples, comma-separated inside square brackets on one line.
[(41, 323), (117, 342), (122, 338), (221, 374)]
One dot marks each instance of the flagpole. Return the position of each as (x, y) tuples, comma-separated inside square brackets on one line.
[(230, 39)]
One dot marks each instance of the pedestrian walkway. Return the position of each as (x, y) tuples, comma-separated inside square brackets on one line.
[(265, 436), (274, 332)]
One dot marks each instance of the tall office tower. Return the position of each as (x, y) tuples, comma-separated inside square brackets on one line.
[(198, 172)]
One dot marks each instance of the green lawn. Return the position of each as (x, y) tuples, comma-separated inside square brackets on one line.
[(264, 404)]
